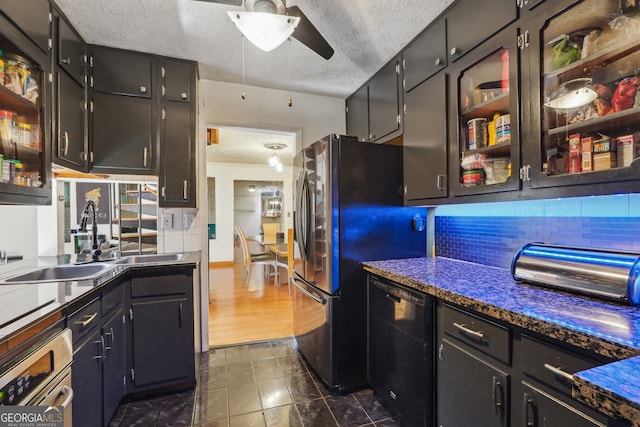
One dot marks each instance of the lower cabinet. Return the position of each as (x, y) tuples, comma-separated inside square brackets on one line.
[(543, 409), (136, 336), (470, 389), (161, 334), (113, 364), (98, 369), (497, 374)]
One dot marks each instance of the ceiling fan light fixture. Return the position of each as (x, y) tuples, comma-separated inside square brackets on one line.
[(265, 30)]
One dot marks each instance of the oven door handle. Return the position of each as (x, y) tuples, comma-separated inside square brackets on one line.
[(67, 393)]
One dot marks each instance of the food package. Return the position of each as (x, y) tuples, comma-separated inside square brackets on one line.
[(628, 147), (604, 161), (587, 153), (473, 161), (624, 96), (575, 153)]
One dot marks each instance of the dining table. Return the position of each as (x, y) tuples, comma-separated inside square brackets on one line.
[(276, 246)]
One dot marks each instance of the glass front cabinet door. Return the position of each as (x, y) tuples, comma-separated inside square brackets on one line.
[(585, 87), (24, 126), (485, 137)]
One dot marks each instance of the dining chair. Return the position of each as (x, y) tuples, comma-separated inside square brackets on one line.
[(288, 263), (269, 231), (263, 258)]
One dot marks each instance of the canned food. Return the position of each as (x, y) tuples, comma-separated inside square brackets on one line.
[(472, 177), (477, 133)]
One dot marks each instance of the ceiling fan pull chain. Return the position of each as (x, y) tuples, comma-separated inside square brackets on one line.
[(290, 103), (243, 97)]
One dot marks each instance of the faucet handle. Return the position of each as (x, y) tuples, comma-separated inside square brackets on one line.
[(3, 257)]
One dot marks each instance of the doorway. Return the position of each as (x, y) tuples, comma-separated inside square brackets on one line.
[(246, 191)]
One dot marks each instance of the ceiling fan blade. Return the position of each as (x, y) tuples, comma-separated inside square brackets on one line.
[(307, 34), (229, 2)]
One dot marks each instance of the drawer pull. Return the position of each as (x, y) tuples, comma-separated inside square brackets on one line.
[(476, 334), (87, 319), (559, 372)]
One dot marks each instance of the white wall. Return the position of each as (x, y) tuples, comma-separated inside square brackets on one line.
[(311, 117), (19, 230)]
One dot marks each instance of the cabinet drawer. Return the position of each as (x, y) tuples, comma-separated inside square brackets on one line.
[(481, 334), (85, 320), (173, 284), (551, 365), (111, 300)]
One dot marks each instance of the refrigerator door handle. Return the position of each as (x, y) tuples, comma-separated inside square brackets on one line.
[(317, 299), (304, 219)]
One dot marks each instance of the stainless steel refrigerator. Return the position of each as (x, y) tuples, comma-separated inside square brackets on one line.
[(347, 209)]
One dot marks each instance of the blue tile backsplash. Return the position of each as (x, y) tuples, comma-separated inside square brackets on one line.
[(491, 233)]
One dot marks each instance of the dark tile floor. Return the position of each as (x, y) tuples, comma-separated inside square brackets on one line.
[(262, 384)]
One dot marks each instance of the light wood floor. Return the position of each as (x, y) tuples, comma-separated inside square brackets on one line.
[(238, 314)]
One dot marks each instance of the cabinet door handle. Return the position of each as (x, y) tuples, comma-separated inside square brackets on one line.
[(143, 89), (66, 143), (455, 51), (526, 403), (87, 319), (439, 62), (559, 372), (440, 182), (180, 315), (111, 339), (183, 95), (467, 331), (144, 156), (66, 61), (496, 394), (185, 190)]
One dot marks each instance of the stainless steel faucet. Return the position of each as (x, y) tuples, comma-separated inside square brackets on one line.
[(95, 248), (3, 257)]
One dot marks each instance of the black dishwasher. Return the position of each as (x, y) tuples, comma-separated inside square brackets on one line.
[(400, 350)]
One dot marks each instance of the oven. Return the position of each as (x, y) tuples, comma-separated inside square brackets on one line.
[(41, 376)]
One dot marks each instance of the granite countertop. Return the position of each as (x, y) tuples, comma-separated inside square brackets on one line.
[(610, 329), (24, 304)]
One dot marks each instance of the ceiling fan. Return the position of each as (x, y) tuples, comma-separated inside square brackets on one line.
[(304, 32)]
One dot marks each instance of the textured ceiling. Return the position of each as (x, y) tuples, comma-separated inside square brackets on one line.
[(365, 34), (247, 146)]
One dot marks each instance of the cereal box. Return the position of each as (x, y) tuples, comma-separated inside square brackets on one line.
[(628, 149), (587, 150)]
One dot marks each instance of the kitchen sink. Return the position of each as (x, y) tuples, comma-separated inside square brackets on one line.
[(142, 259), (61, 273)]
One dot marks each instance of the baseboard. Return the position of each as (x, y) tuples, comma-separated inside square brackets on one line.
[(221, 264)]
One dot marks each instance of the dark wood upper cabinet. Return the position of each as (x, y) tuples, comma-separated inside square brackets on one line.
[(385, 94), (425, 141), (121, 72), (123, 134), (176, 80), (469, 24), (358, 114), (32, 17), (426, 55), (71, 51)]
